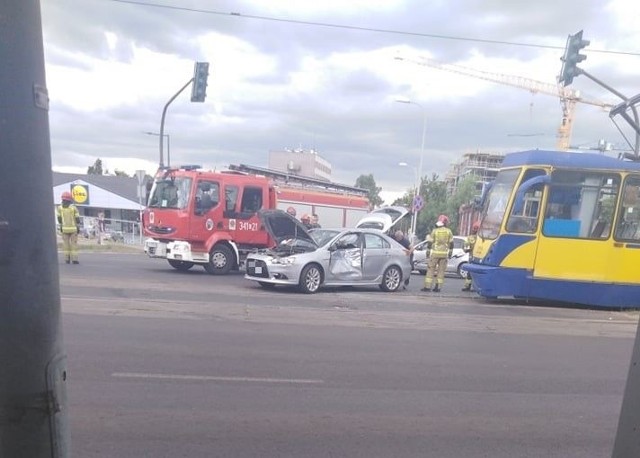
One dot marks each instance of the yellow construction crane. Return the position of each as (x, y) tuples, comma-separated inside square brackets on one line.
[(568, 97)]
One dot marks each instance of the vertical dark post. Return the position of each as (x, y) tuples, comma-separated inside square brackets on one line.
[(33, 408), (627, 443)]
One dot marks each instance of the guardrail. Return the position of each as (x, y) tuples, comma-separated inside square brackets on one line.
[(113, 230)]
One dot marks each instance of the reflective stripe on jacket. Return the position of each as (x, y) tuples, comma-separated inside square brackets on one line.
[(68, 218), (442, 238), (470, 242)]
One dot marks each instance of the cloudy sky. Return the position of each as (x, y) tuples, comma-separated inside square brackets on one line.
[(323, 75)]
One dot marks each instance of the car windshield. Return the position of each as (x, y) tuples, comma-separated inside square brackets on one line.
[(322, 236), (172, 192)]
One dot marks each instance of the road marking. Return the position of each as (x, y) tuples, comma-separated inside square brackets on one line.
[(215, 379)]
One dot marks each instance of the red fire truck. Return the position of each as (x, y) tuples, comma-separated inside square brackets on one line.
[(197, 217)]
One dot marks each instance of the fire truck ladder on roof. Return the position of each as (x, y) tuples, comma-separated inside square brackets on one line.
[(286, 179)]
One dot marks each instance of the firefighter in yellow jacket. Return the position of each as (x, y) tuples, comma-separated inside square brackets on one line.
[(468, 248), (440, 249), (69, 221)]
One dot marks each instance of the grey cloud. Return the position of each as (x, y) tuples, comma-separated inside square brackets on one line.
[(350, 121)]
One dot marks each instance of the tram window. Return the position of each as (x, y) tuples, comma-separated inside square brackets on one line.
[(580, 204), (524, 214), (628, 226)]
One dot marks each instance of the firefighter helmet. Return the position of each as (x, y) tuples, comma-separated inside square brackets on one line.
[(66, 196), (444, 219), (475, 227)]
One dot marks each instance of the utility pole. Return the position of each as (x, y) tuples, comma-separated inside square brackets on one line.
[(33, 407)]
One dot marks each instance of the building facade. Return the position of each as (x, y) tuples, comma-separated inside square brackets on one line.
[(483, 167), (300, 162), (119, 199)]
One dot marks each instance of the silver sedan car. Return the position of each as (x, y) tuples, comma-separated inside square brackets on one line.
[(455, 266), (351, 257)]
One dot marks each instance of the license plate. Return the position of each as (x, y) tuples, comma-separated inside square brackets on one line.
[(258, 270)]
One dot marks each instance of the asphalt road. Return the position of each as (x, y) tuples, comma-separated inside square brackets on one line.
[(169, 364)]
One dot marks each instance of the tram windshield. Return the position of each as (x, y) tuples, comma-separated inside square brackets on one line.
[(496, 202)]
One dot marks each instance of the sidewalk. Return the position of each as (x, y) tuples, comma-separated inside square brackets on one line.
[(91, 245)]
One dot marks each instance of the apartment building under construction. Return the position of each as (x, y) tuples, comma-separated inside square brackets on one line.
[(482, 166)]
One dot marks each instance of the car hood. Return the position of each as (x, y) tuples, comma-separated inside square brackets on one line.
[(383, 218), (281, 226)]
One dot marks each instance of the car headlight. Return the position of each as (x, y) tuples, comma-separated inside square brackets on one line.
[(284, 261)]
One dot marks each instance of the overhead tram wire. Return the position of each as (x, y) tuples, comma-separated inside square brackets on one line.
[(364, 29)]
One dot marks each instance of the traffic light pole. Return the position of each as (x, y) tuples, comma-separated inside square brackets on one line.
[(164, 114), (33, 407), (198, 94)]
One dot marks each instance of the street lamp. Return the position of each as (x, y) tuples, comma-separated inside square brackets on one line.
[(414, 218), (424, 132), (168, 144)]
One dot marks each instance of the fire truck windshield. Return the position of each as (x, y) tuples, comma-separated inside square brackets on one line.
[(170, 193)]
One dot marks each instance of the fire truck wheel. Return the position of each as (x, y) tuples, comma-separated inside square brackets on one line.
[(182, 266), (310, 279), (220, 260)]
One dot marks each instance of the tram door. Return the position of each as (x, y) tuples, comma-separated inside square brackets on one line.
[(626, 234)]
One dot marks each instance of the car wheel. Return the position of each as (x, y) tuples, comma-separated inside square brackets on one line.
[(462, 271), (221, 260), (391, 279), (310, 279), (266, 285), (182, 266)]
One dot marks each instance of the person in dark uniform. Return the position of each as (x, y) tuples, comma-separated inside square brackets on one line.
[(408, 249)]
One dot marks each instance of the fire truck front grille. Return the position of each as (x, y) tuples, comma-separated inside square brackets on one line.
[(257, 268)]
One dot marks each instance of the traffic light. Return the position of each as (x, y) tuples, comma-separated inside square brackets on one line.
[(199, 87), (572, 57)]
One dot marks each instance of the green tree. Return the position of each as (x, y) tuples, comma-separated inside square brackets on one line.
[(465, 192), (369, 183), (434, 193), (439, 202), (96, 168), (120, 173)]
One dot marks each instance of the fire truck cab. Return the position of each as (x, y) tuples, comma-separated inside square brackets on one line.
[(206, 218)]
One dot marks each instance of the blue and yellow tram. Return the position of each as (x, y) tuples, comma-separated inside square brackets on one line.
[(561, 226)]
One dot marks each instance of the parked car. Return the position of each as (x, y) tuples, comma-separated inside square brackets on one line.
[(113, 236), (455, 265), (351, 257)]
